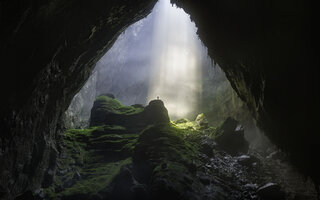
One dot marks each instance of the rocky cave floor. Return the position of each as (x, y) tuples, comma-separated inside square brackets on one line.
[(144, 155)]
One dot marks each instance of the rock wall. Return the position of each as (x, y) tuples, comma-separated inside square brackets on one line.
[(267, 50), (78, 112), (50, 48), (219, 101)]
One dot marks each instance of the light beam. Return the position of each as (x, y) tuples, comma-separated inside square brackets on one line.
[(175, 61)]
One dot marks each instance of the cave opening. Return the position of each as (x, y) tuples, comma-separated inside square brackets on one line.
[(161, 56), (134, 131), (161, 59)]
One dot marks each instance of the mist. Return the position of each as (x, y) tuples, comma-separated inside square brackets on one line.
[(175, 61), (161, 56)]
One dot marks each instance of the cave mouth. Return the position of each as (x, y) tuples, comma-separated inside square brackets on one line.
[(57, 44), (158, 70), (162, 57)]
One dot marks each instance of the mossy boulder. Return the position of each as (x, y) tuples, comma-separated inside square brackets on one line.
[(108, 110), (91, 160), (156, 113), (119, 163), (202, 121), (97, 161), (168, 162)]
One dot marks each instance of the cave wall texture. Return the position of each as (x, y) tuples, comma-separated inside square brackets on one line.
[(267, 50), (48, 49)]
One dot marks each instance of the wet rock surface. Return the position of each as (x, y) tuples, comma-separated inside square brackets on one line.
[(271, 191), (230, 137)]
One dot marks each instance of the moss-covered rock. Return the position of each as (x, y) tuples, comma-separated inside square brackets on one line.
[(97, 163), (95, 160), (108, 110), (148, 158), (156, 113), (167, 160), (200, 123), (91, 160)]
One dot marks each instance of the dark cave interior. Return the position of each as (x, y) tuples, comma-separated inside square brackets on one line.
[(48, 50)]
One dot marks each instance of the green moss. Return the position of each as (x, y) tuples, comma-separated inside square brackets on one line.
[(93, 157), (173, 154), (113, 127), (115, 137), (167, 143), (129, 110), (84, 169), (98, 177), (111, 105), (186, 125), (129, 147), (195, 130), (108, 103)]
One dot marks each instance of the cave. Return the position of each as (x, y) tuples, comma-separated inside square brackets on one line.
[(49, 50)]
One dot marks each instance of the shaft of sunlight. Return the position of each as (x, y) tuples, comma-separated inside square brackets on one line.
[(175, 61)]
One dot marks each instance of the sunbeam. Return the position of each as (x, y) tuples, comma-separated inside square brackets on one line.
[(175, 62)]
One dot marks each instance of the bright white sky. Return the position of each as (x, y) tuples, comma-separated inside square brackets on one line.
[(175, 62)]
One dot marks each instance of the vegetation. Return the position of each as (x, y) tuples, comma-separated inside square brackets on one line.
[(108, 110), (93, 161), (83, 168), (108, 104)]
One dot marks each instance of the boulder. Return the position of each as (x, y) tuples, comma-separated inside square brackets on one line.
[(124, 186), (107, 110), (202, 121), (247, 160), (271, 191), (156, 113), (207, 145), (230, 137)]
